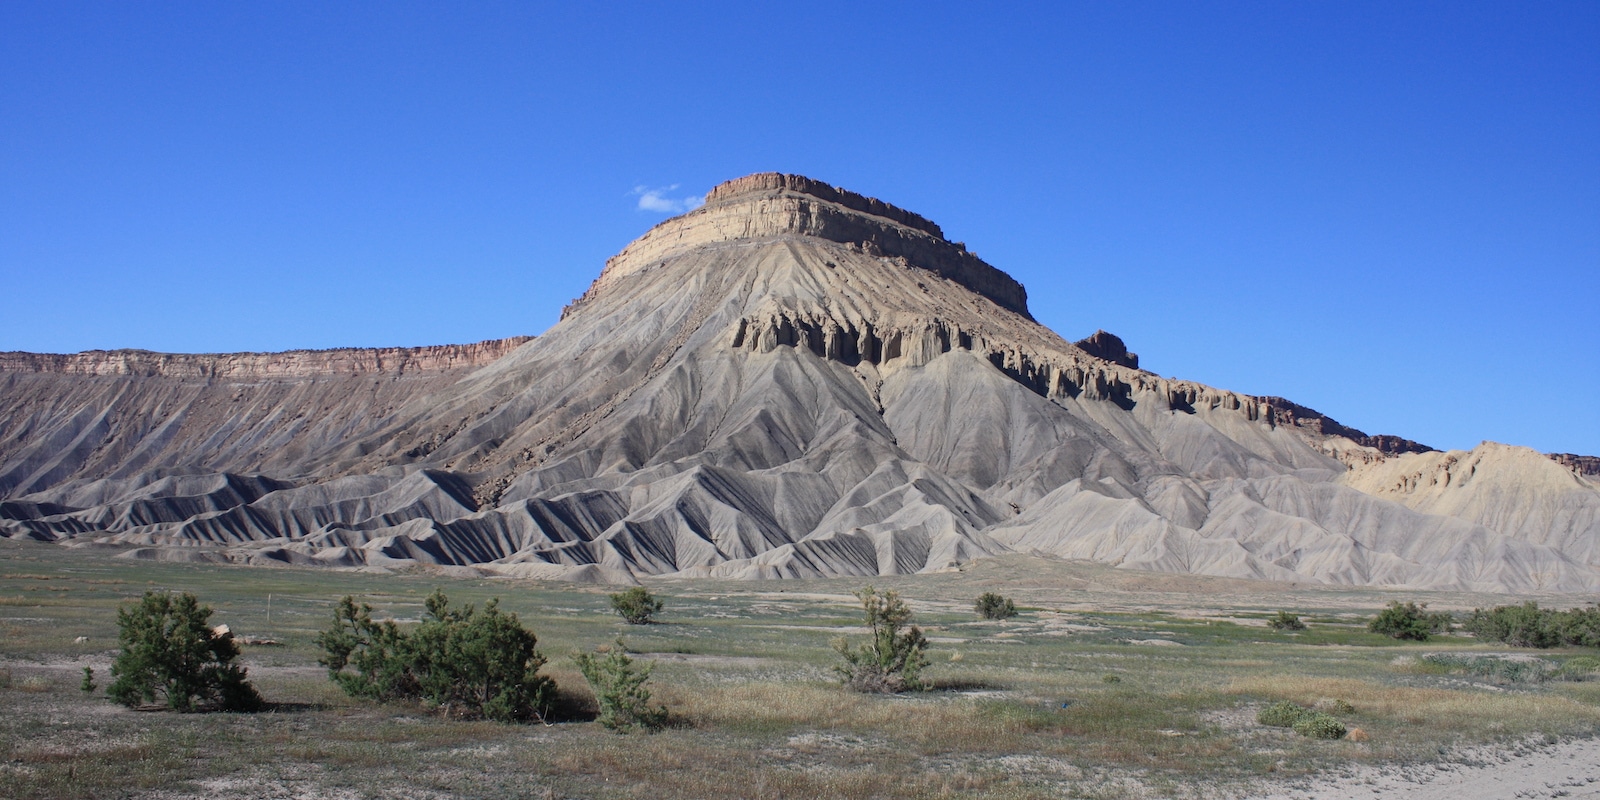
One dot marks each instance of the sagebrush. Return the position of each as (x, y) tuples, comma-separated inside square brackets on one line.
[(1307, 722), (1318, 725), (1495, 668)]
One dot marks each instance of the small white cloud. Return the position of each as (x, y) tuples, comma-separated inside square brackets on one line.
[(657, 200)]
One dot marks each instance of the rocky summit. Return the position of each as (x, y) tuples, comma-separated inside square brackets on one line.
[(792, 380)]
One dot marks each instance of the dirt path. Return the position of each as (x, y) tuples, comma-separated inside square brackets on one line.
[(1569, 770)]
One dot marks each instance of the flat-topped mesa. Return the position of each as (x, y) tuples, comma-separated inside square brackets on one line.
[(800, 184), (773, 205), (251, 366)]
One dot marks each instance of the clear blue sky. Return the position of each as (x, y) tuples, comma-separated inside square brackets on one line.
[(1389, 212)]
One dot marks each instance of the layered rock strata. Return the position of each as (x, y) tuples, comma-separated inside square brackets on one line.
[(133, 414), (790, 381), (1583, 465), (286, 364), (773, 204)]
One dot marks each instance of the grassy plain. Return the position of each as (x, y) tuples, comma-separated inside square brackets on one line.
[(1108, 684)]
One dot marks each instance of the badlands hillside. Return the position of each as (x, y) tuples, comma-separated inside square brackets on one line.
[(792, 380)]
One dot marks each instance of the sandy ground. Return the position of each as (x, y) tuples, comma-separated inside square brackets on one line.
[(1566, 770)]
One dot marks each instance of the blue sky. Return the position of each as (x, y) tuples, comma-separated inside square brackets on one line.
[(1388, 212)]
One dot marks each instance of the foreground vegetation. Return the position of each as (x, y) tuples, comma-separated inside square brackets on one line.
[(1105, 684)]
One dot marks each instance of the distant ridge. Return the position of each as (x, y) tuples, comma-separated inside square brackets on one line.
[(283, 364)]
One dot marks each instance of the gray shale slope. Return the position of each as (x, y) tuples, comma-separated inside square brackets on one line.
[(790, 381)]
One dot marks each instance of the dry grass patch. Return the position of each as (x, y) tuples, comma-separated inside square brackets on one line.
[(1478, 713), (35, 684), (1587, 692), (58, 774), (780, 708), (693, 766), (1128, 727)]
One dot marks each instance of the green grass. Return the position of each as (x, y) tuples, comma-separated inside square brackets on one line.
[(1021, 707)]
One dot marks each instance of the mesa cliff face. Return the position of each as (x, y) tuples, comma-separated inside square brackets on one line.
[(249, 366), (1583, 465), (131, 413), (770, 205), (792, 380)]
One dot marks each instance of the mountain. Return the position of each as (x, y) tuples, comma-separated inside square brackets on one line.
[(792, 380)]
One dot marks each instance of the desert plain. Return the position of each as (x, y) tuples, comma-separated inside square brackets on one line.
[(1109, 683)]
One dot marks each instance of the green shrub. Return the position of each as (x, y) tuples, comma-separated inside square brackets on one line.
[(1282, 714), (170, 653), (1285, 621), (620, 690), (993, 606), (1409, 621), (893, 660), (88, 685), (467, 663), (1528, 625), (377, 652), (1580, 627), (1317, 725), (1519, 626), (636, 605)]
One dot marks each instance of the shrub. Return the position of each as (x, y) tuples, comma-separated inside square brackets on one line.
[(467, 663), (1580, 627), (377, 651), (170, 653), (1409, 621), (1282, 714), (993, 606), (620, 690), (1304, 721), (88, 685), (636, 605), (1317, 725), (893, 660), (1285, 621), (1519, 626), (1528, 625)]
